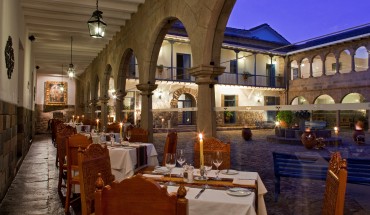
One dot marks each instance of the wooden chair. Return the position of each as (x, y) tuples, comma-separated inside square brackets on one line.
[(138, 134), (91, 161), (53, 125), (210, 146), (61, 140), (170, 146), (336, 180), (114, 127), (138, 195), (73, 144)]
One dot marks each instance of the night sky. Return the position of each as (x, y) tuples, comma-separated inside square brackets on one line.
[(299, 20)]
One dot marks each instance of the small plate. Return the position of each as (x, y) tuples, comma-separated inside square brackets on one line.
[(160, 170), (198, 178), (229, 172), (237, 191)]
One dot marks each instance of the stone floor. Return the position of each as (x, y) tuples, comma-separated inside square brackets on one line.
[(34, 189)]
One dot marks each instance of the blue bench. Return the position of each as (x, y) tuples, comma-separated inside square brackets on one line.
[(301, 166)]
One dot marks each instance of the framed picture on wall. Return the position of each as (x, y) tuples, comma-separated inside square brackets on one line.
[(56, 93)]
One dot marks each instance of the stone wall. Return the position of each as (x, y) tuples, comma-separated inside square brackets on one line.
[(15, 135), (43, 114)]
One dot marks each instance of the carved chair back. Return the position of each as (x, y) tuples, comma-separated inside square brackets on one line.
[(170, 145), (138, 195), (335, 189), (91, 161), (210, 146), (138, 134)]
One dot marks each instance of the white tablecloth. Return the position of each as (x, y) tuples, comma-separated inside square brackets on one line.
[(123, 160), (218, 202), (246, 210)]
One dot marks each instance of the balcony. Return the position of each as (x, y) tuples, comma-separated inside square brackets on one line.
[(178, 74)]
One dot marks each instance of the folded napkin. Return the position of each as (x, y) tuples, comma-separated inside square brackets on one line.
[(241, 181), (153, 176)]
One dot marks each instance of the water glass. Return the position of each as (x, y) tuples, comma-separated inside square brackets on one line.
[(170, 164)]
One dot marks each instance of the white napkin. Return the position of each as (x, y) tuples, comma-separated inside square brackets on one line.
[(241, 181), (153, 176)]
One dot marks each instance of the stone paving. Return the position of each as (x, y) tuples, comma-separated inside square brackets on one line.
[(34, 189)]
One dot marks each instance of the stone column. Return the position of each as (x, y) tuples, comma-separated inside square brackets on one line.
[(119, 106), (323, 67), (337, 64), (311, 70), (353, 64), (104, 111), (146, 107), (255, 69), (93, 104), (205, 78)]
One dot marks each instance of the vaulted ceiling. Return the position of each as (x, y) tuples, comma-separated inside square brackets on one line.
[(53, 22)]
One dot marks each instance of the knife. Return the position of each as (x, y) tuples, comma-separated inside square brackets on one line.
[(200, 192)]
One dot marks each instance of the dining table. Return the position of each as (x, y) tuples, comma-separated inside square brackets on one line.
[(222, 196), (124, 158)]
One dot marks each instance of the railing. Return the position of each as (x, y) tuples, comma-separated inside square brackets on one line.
[(182, 75)]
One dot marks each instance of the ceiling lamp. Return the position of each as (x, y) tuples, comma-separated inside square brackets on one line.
[(71, 69), (96, 24)]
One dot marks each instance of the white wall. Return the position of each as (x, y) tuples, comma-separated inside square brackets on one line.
[(40, 92), (12, 24)]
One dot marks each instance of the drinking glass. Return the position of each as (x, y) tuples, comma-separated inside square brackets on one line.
[(217, 161), (170, 164), (128, 136), (207, 168), (111, 135), (181, 158)]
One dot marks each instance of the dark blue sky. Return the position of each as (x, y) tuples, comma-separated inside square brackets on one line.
[(298, 20)]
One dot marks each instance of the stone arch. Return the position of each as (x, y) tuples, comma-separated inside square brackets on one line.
[(330, 62), (345, 61), (361, 59), (96, 88), (353, 98), (305, 68), (317, 66), (294, 69), (299, 100), (324, 99), (181, 91)]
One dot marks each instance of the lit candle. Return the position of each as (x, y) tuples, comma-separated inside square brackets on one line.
[(201, 150), (336, 130), (78, 117), (97, 124), (120, 130), (73, 118)]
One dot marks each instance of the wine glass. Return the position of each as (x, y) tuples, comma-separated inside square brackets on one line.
[(207, 168), (217, 161), (170, 164), (128, 136), (181, 158), (111, 135)]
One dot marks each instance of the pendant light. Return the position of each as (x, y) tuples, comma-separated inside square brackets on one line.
[(96, 24), (71, 69)]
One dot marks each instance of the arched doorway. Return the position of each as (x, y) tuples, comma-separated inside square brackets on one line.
[(186, 117)]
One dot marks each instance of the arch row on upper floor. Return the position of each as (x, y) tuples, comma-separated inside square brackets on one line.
[(351, 56)]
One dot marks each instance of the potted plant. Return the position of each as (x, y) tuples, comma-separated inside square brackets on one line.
[(285, 118), (228, 115)]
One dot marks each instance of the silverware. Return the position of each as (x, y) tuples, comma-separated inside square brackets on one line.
[(200, 192)]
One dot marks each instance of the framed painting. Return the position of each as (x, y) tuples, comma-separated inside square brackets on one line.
[(56, 93)]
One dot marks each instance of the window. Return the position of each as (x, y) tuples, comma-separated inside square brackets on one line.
[(233, 66), (272, 100), (295, 73), (183, 62)]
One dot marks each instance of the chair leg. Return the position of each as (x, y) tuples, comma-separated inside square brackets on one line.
[(68, 197)]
